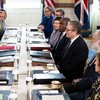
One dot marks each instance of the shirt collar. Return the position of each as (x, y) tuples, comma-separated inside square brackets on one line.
[(72, 40)]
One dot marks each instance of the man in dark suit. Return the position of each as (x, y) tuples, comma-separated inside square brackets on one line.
[(62, 40), (74, 57), (79, 89), (59, 13)]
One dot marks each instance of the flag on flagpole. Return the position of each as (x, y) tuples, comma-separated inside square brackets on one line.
[(1, 3), (50, 3), (81, 9)]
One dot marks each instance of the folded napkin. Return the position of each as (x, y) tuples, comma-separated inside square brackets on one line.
[(6, 47)]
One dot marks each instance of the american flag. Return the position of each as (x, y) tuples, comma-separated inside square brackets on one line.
[(1, 3), (82, 12), (50, 3)]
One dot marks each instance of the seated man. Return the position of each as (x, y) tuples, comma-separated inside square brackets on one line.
[(59, 13), (80, 87), (62, 40), (75, 54)]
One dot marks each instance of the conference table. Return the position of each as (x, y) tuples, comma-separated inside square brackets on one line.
[(21, 60)]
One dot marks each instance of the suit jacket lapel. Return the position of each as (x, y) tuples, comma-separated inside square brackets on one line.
[(71, 47)]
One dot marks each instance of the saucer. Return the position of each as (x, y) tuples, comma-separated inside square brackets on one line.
[(55, 86), (6, 36)]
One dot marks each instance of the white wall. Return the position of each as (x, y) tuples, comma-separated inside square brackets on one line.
[(69, 12), (95, 15), (18, 16)]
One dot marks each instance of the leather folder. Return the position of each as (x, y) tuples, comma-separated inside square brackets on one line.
[(4, 94), (40, 54), (36, 94), (41, 61), (7, 62), (37, 41), (34, 29), (12, 28), (46, 78), (6, 47), (7, 53), (45, 71), (6, 78), (40, 46)]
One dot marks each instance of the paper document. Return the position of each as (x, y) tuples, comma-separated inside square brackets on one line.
[(52, 97)]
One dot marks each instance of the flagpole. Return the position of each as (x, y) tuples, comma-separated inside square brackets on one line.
[(43, 8), (2, 3), (99, 5)]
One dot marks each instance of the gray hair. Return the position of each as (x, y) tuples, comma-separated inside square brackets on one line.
[(61, 11), (76, 26)]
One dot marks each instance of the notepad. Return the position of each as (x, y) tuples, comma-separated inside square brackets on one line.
[(46, 78), (49, 91), (5, 58), (40, 54), (10, 40), (52, 97)]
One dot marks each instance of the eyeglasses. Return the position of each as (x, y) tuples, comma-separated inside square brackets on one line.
[(69, 29)]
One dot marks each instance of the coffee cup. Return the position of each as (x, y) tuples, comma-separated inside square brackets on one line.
[(12, 96), (55, 84), (50, 66), (28, 79)]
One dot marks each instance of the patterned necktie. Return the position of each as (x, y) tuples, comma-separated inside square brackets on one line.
[(66, 50)]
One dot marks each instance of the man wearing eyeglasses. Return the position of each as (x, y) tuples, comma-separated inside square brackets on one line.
[(46, 25), (59, 13), (79, 89), (75, 54)]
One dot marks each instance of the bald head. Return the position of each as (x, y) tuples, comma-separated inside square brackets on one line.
[(96, 40)]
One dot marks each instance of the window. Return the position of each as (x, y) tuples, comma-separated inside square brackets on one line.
[(23, 3)]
